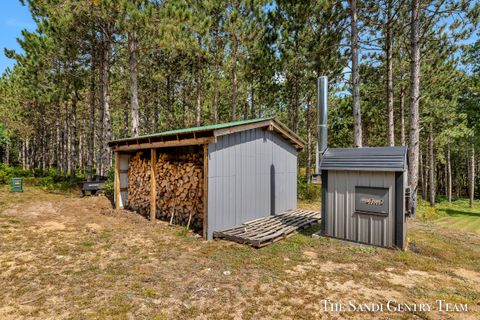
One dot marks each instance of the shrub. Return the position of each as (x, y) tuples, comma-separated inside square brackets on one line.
[(7, 172), (57, 183), (310, 193), (425, 212), (109, 184)]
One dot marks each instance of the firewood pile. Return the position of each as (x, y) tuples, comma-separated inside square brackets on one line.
[(139, 186), (179, 188)]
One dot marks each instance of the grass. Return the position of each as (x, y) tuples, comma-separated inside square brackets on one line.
[(455, 215), (126, 267), (29, 194)]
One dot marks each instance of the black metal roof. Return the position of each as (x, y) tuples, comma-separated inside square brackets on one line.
[(365, 159)]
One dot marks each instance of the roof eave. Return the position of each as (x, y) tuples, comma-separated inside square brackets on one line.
[(272, 125), (288, 134), (207, 136)]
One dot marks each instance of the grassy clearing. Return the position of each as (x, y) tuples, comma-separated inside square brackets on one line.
[(79, 259), (30, 194), (456, 215)]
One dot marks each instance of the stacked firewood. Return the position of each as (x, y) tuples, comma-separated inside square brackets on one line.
[(179, 188), (139, 185)]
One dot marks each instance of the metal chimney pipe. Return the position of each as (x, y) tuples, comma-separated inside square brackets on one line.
[(322, 103)]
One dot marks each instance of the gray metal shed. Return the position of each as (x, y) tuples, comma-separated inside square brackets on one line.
[(363, 197), (251, 168)]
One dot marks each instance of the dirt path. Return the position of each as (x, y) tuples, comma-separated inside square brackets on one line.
[(65, 258)]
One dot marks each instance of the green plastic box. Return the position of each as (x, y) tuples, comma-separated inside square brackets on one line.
[(16, 185)]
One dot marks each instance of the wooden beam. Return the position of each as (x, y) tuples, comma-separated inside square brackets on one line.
[(162, 144), (117, 180), (225, 131), (153, 188), (287, 135), (270, 125), (205, 190)]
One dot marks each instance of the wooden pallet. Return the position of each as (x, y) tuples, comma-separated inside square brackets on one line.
[(264, 231)]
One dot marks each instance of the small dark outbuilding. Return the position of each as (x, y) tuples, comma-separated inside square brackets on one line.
[(364, 195)]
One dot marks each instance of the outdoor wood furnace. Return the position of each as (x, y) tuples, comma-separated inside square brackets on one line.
[(364, 197)]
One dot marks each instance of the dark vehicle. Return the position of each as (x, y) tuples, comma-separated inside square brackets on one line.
[(95, 187)]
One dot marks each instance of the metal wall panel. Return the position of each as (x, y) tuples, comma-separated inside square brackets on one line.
[(124, 160), (344, 223), (251, 174)]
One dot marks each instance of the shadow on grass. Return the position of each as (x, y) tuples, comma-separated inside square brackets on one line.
[(311, 230), (459, 213)]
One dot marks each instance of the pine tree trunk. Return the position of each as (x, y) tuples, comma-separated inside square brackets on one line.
[(170, 109), (198, 87), (24, 167), (145, 116), (198, 97), (126, 111), (25, 155), (402, 116), (57, 141), (252, 100), (389, 64), (471, 179), (106, 102), (42, 148), (296, 118), (309, 145), (19, 152), (449, 175), (414, 118), (32, 155), (7, 153), (155, 109), (80, 163), (28, 155), (355, 76), (100, 123), (445, 180), (423, 181), (431, 166), (245, 111), (74, 136), (425, 174), (47, 149), (61, 147), (215, 89), (234, 76), (91, 119), (184, 104), (133, 64), (66, 142)]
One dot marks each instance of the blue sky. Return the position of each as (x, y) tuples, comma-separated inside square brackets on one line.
[(13, 19)]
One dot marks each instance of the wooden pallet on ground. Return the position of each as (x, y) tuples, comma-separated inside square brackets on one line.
[(264, 231)]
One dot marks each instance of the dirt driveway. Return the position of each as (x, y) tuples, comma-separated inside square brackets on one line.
[(65, 257)]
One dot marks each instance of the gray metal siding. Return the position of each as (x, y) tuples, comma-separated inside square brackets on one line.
[(124, 160), (343, 222), (244, 168)]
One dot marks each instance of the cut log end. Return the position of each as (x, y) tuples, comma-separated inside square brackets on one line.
[(179, 188)]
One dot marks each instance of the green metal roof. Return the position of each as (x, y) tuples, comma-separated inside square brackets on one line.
[(210, 130), (197, 129)]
